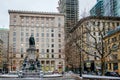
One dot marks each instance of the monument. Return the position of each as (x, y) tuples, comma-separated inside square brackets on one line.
[(31, 64)]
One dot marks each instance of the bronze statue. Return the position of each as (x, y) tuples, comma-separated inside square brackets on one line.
[(31, 40)]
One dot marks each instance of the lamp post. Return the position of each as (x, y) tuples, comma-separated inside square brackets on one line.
[(80, 65)]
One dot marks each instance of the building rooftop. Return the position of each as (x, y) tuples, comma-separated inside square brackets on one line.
[(95, 18), (34, 12), (111, 32)]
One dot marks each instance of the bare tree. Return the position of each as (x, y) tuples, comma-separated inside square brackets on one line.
[(84, 45)]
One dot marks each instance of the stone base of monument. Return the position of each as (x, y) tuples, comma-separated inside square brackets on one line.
[(31, 74), (31, 65)]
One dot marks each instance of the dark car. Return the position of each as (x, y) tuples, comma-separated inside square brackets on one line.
[(115, 74)]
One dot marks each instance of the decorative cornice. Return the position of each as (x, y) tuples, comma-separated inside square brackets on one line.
[(95, 18), (34, 12)]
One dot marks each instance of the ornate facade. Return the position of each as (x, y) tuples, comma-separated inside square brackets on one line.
[(48, 31)]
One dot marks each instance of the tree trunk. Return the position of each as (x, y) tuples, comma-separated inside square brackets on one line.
[(103, 66)]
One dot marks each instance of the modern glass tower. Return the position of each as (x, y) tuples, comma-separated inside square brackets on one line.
[(71, 10), (110, 7), (97, 10), (118, 8), (106, 8)]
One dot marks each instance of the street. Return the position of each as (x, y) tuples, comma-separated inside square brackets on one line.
[(59, 78)]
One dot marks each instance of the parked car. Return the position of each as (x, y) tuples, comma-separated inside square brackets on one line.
[(115, 74)]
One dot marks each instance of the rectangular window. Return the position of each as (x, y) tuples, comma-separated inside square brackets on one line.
[(52, 35), (52, 45), (59, 40), (52, 30), (14, 33), (37, 34), (27, 34), (52, 55), (59, 45), (14, 39), (59, 35), (37, 39), (42, 34), (59, 50), (21, 39), (47, 51), (27, 39), (47, 39), (21, 50), (47, 34), (52, 50), (42, 50), (22, 34), (52, 40)]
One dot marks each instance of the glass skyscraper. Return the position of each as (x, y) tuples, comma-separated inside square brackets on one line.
[(97, 10), (106, 8)]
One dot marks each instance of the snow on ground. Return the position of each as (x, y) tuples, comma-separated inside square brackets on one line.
[(9, 76), (100, 77), (53, 75)]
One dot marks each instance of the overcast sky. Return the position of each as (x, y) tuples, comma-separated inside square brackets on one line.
[(36, 5)]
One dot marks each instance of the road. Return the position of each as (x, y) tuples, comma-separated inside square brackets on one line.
[(59, 78)]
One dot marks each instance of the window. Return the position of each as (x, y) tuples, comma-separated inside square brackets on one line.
[(21, 39), (37, 39), (52, 35), (59, 45), (21, 50), (59, 40), (94, 33), (27, 39), (47, 51), (52, 55), (42, 50), (52, 40), (59, 50), (52, 30), (59, 56), (21, 55), (37, 34), (52, 45), (47, 55), (27, 34), (22, 34), (42, 34), (59, 35), (14, 44), (47, 34), (59, 24), (117, 23), (47, 40), (14, 33), (42, 39), (14, 39), (52, 50)]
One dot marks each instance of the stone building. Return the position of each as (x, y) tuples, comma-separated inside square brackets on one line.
[(48, 31), (85, 35), (1, 55), (112, 42)]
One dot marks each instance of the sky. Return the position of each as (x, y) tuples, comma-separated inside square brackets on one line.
[(36, 5)]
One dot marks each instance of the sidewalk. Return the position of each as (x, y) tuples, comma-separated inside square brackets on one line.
[(72, 76)]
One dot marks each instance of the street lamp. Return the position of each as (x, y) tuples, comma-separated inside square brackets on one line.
[(80, 65)]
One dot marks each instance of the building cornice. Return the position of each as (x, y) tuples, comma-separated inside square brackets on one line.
[(34, 12), (95, 18)]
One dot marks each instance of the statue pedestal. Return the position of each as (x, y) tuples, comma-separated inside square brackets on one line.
[(31, 53), (31, 63)]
